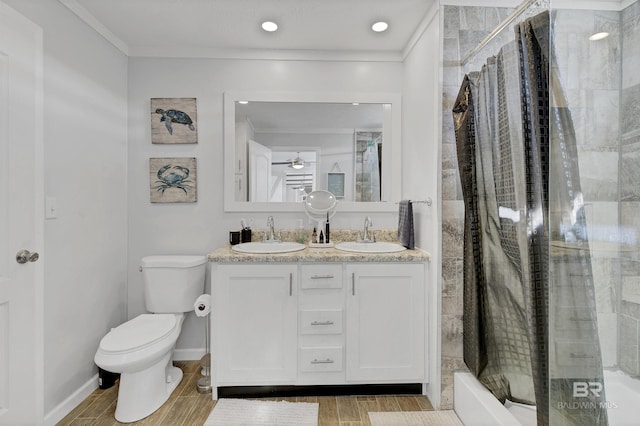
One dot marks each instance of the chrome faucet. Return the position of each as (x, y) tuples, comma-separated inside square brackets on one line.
[(369, 237), (272, 236)]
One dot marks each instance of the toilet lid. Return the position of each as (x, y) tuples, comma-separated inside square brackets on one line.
[(140, 331)]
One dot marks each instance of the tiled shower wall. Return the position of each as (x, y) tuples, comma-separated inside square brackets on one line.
[(591, 77), (629, 357), (463, 28), (603, 89), (590, 73)]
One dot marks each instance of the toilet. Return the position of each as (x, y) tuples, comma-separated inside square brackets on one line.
[(141, 349)]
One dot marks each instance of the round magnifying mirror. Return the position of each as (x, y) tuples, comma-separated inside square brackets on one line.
[(319, 203)]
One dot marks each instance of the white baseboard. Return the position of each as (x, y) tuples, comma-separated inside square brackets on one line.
[(188, 354), (66, 406)]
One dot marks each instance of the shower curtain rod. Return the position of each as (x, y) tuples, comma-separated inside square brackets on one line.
[(517, 12)]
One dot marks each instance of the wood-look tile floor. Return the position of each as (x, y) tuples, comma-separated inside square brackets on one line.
[(189, 408)]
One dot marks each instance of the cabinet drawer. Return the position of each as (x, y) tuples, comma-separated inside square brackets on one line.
[(322, 276), (321, 359), (321, 322)]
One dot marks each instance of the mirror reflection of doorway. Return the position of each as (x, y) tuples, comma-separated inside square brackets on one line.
[(280, 175), (259, 172), (368, 165)]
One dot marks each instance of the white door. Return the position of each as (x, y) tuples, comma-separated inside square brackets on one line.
[(21, 220), (259, 172), (255, 317), (385, 323)]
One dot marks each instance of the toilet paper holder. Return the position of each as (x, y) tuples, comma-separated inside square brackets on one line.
[(202, 308)]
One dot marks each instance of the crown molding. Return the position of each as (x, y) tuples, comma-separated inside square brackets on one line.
[(267, 54), (431, 14), (94, 23)]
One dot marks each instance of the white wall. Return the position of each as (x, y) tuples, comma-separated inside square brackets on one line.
[(85, 138), (203, 226), (421, 160)]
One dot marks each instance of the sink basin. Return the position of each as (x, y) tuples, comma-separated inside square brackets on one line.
[(377, 247), (268, 248)]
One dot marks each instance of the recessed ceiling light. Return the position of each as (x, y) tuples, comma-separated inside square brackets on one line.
[(269, 26), (599, 36), (243, 102), (380, 26), (355, 103)]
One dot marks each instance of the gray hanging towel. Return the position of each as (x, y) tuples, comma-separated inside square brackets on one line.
[(405, 224)]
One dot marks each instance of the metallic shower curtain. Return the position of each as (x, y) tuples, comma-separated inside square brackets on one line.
[(512, 176)]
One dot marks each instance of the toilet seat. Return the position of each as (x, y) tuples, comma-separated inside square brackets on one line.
[(143, 330)]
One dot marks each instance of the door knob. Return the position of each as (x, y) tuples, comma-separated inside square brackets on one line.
[(24, 256)]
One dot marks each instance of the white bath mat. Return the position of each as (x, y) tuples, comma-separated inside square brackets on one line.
[(229, 412), (411, 418)]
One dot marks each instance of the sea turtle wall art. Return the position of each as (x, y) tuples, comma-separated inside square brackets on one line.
[(173, 120), (173, 180)]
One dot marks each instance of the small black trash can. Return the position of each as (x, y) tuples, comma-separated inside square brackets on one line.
[(106, 379)]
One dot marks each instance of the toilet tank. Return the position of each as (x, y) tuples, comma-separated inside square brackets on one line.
[(172, 283)]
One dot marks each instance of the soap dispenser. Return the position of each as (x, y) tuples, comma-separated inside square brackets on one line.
[(300, 233)]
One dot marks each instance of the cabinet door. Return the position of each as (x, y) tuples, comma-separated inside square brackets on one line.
[(385, 322), (255, 320)]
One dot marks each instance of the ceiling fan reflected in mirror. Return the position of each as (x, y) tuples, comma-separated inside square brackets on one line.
[(294, 163), (297, 163)]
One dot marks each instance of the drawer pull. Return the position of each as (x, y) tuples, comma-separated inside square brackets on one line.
[(322, 361), (290, 284), (321, 277), (322, 323), (353, 284)]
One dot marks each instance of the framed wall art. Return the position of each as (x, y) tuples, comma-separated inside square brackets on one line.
[(174, 120), (335, 184), (173, 180)]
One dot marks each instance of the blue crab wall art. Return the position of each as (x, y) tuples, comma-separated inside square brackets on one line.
[(170, 176), (173, 179)]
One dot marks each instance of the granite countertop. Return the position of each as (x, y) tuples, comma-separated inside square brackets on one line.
[(227, 255)]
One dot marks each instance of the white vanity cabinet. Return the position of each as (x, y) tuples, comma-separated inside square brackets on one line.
[(318, 323), (386, 323), (254, 320)]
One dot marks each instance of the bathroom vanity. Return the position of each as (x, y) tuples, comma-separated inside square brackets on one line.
[(318, 317)]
